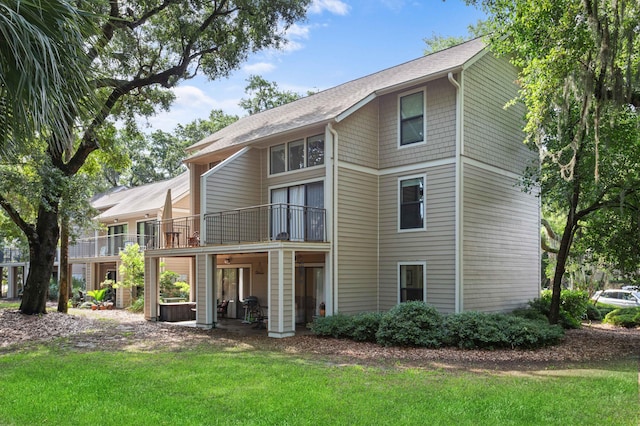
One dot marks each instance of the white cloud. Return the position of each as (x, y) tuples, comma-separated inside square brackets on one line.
[(259, 68), (190, 104), (298, 31), (333, 6)]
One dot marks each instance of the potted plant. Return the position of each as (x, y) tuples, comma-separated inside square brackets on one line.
[(98, 297)]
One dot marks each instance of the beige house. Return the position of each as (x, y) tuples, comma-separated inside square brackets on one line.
[(401, 185), (129, 216)]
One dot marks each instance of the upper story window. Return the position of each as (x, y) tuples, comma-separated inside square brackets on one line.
[(297, 154), (411, 118), (412, 206)]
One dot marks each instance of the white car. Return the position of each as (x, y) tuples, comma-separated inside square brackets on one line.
[(622, 298)]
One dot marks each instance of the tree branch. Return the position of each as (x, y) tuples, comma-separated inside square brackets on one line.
[(28, 230)]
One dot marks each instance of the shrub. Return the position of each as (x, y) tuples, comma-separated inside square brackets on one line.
[(338, 325), (137, 305), (573, 306), (593, 313), (365, 326), (530, 314), (411, 324), (478, 330), (624, 317)]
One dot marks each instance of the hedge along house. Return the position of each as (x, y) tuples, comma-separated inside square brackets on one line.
[(128, 216), (401, 185)]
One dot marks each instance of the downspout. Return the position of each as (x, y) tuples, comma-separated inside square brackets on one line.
[(458, 196), (334, 214)]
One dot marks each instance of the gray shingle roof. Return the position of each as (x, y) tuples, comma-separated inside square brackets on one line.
[(329, 104), (141, 199)]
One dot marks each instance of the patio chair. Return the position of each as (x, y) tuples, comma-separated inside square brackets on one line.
[(222, 309)]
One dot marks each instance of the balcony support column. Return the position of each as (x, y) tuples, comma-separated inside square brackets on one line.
[(12, 281), (151, 295), (281, 293), (205, 279)]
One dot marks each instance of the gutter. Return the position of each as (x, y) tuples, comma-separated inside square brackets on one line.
[(458, 196), (334, 214)]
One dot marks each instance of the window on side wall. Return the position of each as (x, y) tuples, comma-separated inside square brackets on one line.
[(411, 281), (277, 155), (411, 209), (315, 151), (411, 118), (297, 155)]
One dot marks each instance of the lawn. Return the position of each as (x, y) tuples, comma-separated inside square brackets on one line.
[(207, 384)]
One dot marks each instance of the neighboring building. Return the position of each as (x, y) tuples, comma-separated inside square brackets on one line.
[(129, 216), (401, 185)]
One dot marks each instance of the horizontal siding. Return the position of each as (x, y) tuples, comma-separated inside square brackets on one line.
[(357, 241), (359, 136), (441, 127), (492, 133), (235, 185), (436, 245), (501, 242), (290, 178), (201, 290)]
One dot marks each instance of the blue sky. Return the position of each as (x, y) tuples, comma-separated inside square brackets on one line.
[(341, 40)]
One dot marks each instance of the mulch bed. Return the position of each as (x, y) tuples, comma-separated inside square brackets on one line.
[(591, 345)]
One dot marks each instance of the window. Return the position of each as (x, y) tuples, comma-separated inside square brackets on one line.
[(411, 208), (411, 124), (411, 279), (297, 212), (147, 231), (315, 151), (297, 154), (278, 164)]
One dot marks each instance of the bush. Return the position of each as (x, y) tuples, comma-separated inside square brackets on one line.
[(624, 317), (137, 305), (53, 289), (411, 324), (338, 326), (478, 330), (365, 326), (593, 313), (573, 306)]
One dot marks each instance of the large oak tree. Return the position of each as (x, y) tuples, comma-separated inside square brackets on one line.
[(580, 79), (142, 48)]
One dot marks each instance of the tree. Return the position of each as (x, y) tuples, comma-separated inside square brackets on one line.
[(158, 156), (580, 76), (42, 70), (265, 95), (141, 50), (131, 269), (438, 42)]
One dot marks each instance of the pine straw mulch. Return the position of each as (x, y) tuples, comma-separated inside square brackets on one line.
[(84, 330)]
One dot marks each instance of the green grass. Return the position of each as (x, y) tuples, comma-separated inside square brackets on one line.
[(226, 386), (9, 305)]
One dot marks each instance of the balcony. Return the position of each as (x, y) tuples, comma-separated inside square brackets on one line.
[(104, 246), (270, 222), (13, 255)]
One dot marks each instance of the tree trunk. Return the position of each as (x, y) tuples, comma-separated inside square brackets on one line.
[(561, 263), (63, 264), (42, 251)]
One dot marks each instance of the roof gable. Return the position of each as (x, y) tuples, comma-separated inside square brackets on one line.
[(141, 199), (329, 104)]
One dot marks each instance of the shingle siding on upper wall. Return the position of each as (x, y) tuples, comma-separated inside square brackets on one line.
[(493, 134), (436, 245), (441, 127), (358, 136), (501, 242), (357, 241)]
